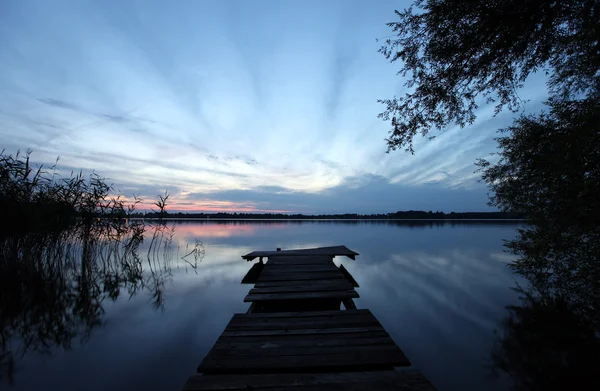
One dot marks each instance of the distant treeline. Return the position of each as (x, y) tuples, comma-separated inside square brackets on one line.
[(410, 214), (33, 198)]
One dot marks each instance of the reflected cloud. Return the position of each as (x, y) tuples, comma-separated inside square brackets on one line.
[(65, 279), (433, 285), (199, 229), (208, 205), (442, 280), (439, 306)]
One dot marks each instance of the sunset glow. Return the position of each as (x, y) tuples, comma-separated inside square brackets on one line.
[(227, 114)]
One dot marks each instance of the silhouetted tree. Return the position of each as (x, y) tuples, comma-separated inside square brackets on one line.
[(547, 343), (458, 54), (549, 170), (161, 203)]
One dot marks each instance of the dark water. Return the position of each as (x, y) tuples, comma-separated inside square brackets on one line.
[(438, 288)]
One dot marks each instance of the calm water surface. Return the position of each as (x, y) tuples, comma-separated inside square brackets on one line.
[(438, 288)]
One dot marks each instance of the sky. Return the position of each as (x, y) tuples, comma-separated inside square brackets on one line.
[(238, 106)]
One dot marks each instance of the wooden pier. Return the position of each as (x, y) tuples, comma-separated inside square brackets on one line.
[(296, 336)]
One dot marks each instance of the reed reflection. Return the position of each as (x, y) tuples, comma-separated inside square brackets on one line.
[(53, 285)]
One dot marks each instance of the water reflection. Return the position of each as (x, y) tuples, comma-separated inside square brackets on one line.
[(551, 339), (547, 343), (53, 286), (250, 225), (439, 288), (441, 307)]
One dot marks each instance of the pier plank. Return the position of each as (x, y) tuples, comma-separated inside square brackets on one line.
[(337, 286), (286, 342), (338, 294), (303, 341), (322, 251), (300, 276), (349, 361), (406, 380), (273, 343), (301, 314), (294, 322), (314, 282)]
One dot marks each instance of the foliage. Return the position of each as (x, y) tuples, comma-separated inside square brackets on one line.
[(548, 344), (550, 164), (35, 198), (66, 246), (549, 170), (457, 53)]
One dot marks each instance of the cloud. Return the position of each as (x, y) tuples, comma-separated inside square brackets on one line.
[(60, 104), (203, 99), (363, 194)]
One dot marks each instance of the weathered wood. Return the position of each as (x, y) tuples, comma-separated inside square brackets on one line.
[(285, 261), (247, 323), (253, 273), (304, 268), (315, 272), (319, 275), (252, 308), (300, 264), (292, 268), (342, 317), (293, 276), (297, 263), (349, 304), (300, 351), (295, 338), (304, 341), (315, 282), (303, 314), (301, 295), (376, 358), (264, 277), (406, 380), (352, 339), (340, 286), (329, 251), (348, 276), (300, 332), (298, 257)]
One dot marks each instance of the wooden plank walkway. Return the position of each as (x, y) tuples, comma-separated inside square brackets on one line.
[(295, 335), (406, 380), (329, 251), (315, 341), (295, 277)]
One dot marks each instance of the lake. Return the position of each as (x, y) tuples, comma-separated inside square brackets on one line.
[(439, 288)]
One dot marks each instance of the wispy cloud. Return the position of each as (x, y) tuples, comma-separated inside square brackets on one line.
[(361, 194), (202, 98)]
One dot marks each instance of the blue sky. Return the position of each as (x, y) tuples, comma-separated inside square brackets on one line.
[(230, 105)]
